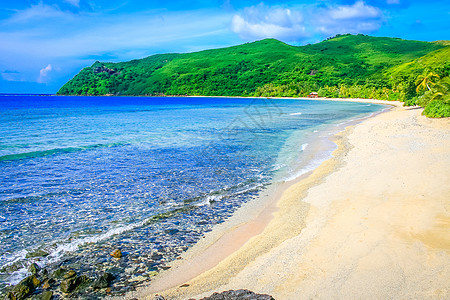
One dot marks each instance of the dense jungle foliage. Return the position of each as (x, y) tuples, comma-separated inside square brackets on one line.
[(345, 66)]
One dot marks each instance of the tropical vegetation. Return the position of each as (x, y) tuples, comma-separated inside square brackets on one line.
[(350, 66)]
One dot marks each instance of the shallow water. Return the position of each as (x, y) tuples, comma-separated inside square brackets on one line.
[(82, 176)]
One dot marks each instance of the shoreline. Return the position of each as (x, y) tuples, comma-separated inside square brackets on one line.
[(377, 226), (208, 265)]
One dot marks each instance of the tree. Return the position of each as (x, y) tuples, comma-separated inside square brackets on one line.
[(424, 80), (442, 90)]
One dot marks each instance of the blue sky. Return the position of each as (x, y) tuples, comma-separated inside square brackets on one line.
[(44, 43)]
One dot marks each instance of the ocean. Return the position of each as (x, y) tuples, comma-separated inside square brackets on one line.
[(83, 176)]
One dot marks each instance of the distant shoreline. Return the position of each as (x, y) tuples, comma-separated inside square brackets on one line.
[(361, 100)]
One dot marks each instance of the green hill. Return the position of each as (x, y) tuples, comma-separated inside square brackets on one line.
[(438, 60), (342, 66)]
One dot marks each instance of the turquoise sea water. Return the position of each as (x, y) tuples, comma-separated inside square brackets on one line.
[(82, 176)]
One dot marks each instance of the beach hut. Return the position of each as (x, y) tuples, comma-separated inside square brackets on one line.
[(313, 95)]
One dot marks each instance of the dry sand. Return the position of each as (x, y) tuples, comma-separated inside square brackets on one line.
[(373, 222)]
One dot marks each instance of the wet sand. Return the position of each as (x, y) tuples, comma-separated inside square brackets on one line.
[(372, 222)]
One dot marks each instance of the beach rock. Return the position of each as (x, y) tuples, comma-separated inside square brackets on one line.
[(46, 295), (139, 278), (37, 253), (103, 281), (238, 295), (69, 285), (116, 253), (158, 297), (31, 281), (48, 283), (69, 274), (34, 268), (83, 282), (19, 292), (24, 288), (152, 273), (58, 274)]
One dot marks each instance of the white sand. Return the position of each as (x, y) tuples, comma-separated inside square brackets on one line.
[(371, 223)]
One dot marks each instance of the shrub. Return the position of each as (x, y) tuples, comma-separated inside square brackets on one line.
[(437, 109), (410, 102)]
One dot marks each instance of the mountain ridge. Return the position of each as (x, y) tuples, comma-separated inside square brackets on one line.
[(264, 68)]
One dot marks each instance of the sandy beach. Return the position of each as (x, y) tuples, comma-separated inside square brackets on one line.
[(372, 222)]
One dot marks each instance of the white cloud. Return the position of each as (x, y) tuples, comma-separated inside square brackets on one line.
[(288, 24), (32, 38), (43, 73), (37, 12), (261, 21), (12, 76), (356, 18), (73, 2), (355, 11)]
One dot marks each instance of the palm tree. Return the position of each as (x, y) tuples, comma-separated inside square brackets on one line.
[(442, 90), (424, 80)]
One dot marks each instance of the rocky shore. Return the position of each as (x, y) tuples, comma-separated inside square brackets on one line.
[(59, 284), (231, 295)]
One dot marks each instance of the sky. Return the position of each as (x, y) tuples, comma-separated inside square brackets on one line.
[(44, 43)]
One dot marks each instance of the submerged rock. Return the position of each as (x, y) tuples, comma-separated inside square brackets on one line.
[(73, 283), (103, 281), (116, 253), (68, 285), (83, 283), (46, 295)]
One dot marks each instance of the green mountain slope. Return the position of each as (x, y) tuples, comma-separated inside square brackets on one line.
[(438, 60), (267, 68)]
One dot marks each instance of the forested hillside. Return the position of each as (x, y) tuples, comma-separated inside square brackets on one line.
[(342, 66)]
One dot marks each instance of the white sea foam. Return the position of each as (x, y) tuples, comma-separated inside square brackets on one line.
[(304, 146), (60, 249), (277, 167), (295, 114), (209, 199), (313, 164)]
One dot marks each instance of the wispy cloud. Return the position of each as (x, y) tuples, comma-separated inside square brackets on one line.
[(11, 75), (263, 21), (73, 2), (36, 13)]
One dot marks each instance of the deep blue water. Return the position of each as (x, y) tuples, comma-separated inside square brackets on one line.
[(82, 176)]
